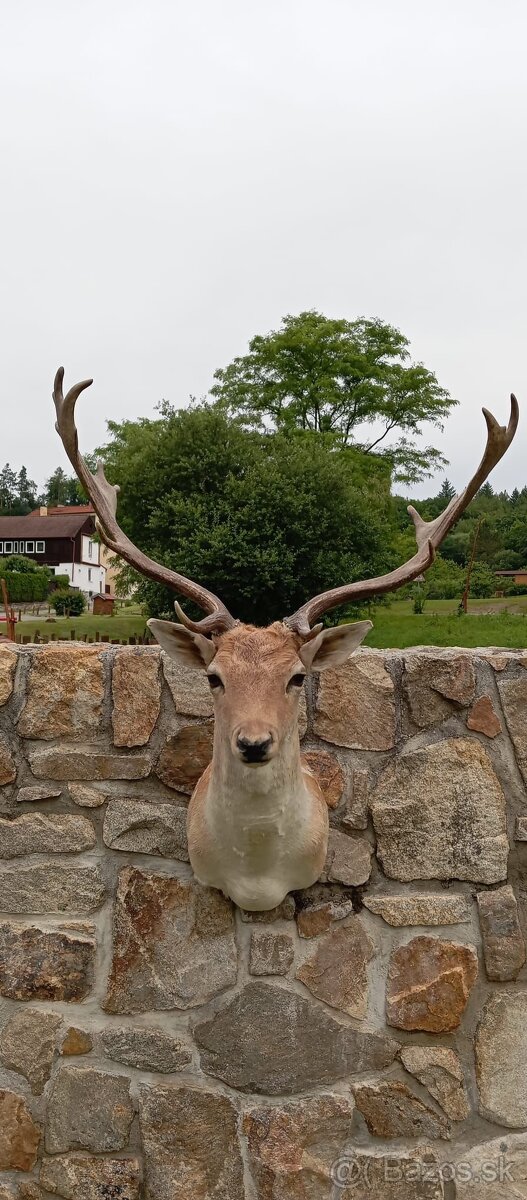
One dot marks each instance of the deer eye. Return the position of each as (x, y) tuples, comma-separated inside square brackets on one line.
[(215, 683), (296, 681)]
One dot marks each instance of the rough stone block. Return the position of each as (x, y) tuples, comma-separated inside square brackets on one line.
[(439, 813), (494, 1170), (501, 1055), (319, 906), (429, 983), (27, 1045), (391, 1110), (76, 1041), (503, 941), (19, 1135), (8, 661), (191, 1144), (513, 694), (483, 718), (271, 953), (293, 1147), (50, 889), (82, 1177), (88, 1110), (328, 773), (439, 1070), (65, 693), (269, 1040), (37, 792), (336, 971), (36, 964), (356, 705), (348, 859), (436, 683), (87, 763), (86, 797), (146, 828), (189, 688), (420, 909), (174, 944), (36, 833), (184, 757), (136, 693), (147, 1049), (355, 815), (7, 763)]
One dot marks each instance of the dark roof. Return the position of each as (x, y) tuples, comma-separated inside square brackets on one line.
[(43, 527), (518, 571)]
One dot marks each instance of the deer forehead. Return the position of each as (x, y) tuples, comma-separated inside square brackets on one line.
[(247, 649)]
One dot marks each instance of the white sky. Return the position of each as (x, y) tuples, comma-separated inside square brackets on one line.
[(176, 177)]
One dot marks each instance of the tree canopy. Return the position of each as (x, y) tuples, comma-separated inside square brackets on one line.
[(353, 379)]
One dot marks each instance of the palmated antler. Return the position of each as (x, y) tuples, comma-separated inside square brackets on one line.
[(429, 535), (103, 496)]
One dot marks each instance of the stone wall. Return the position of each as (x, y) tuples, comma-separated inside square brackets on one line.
[(367, 1038)]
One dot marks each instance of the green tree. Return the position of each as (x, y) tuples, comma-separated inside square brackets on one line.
[(62, 489), (353, 379), (263, 520)]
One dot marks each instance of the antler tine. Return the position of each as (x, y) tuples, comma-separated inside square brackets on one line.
[(429, 534), (103, 496)]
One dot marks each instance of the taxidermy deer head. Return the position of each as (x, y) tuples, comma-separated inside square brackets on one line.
[(257, 820)]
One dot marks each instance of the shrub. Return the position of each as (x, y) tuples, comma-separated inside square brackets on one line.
[(68, 604)]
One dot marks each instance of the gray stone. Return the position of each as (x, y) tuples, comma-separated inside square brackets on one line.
[(88, 1110), (269, 1040), (271, 953), (320, 906), (81, 1177), (190, 1139), (420, 909), (38, 791), (356, 704), (391, 1110), (521, 829), (7, 762), (136, 694), (146, 828), (174, 944), (501, 1059), (36, 833), (348, 859), (293, 1147), (503, 942), (494, 1170), (87, 763), (27, 1045), (189, 687), (439, 1069), (355, 815), (513, 693), (336, 970), (283, 912), (147, 1049), (395, 1174), (51, 889), (436, 682), (37, 964), (439, 813)]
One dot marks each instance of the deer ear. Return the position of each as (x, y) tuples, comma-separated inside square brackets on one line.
[(332, 647), (189, 649)]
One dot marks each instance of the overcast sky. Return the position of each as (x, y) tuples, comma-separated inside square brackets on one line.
[(175, 177)]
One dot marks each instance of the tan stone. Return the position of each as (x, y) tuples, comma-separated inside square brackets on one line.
[(76, 1041), (88, 1110), (271, 953), (82, 1177), (174, 944), (429, 983), (521, 829), (65, 693), (146, 828), (414, 1174), (51, 889), (8, 661), (86, 797), (435, 682), (184, 757), (87, 763), (29, 1190), (348, 859), (36, 833), (391, 1110), (293, 1147), (440, 1071), (355, 815), (27, 1045), (336, 971), (189, 687), (320, 905), (19, 1135), (439, 813), (311, 922), (494, 1170), (501, 1059), (503, 941), (37, 792), (39, 965), (7, 763), (420, 909), (513, 694), (191, 1144), (268, 1039), (356, 705), (328, 773), (136, 693), (483, 719), (283, 912)]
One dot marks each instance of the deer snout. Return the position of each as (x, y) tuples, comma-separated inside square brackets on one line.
[(254, 750)]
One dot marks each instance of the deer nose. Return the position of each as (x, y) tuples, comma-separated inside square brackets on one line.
[(253, 751)]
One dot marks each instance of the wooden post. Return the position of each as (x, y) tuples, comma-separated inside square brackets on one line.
[(9, 612)]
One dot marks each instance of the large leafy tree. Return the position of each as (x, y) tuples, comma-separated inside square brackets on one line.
[(263, 520), (353, 379)]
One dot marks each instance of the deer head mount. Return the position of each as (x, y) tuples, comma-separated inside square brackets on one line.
[(257, 820)]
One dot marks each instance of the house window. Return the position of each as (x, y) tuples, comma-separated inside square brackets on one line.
[(15, 547), (89, 572), (40, 547), (90, 549), (30, 547), (8, 547)]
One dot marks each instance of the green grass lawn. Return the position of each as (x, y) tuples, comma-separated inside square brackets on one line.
[(127, 622)]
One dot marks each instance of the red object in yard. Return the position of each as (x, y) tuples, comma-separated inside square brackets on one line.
[(103, 605)]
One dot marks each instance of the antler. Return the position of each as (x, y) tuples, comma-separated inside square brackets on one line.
[(103, 496), (429, 534)]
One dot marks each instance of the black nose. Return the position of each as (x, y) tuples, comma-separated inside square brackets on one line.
[(253, 752)]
